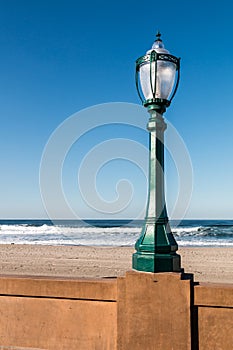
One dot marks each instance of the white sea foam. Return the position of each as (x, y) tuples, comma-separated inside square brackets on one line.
[(66, 235), (108, 236)]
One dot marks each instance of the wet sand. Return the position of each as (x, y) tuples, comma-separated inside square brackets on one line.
[(207, 264)]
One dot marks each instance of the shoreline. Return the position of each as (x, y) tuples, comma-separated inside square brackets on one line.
[(208, 264)]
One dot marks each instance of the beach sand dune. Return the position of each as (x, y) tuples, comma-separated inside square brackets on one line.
[(207, 264)]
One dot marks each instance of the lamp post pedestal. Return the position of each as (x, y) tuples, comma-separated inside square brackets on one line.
[(156, 247)]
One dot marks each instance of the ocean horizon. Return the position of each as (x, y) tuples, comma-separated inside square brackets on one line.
[(97, 232)]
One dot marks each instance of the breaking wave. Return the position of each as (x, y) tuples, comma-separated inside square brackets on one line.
[(110, 233)]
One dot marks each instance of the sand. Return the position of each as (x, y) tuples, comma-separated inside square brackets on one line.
[(207, 264)]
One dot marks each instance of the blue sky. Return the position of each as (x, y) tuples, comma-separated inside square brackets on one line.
[(59, 57)]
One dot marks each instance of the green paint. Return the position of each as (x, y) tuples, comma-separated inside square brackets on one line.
[(156, 247)]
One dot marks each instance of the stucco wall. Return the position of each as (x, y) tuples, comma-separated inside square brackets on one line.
[(58, 313), (154, 312), (214, 309), (146, 311)]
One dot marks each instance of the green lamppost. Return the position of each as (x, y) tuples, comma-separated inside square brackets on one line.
[(157, 78)]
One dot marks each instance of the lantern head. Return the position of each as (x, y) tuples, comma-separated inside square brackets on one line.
[(157, 76)]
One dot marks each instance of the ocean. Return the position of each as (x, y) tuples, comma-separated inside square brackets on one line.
[(196, 233)]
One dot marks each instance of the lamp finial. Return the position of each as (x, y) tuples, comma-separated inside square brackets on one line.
[(158, 36)]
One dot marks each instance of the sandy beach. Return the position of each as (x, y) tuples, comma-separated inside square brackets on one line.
[(207, 264)]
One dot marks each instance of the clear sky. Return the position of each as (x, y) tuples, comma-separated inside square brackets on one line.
[(60, 57)]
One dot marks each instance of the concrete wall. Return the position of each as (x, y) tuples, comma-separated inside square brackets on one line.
[(154, 310), (139, 311), (45, 313), (213, 307)]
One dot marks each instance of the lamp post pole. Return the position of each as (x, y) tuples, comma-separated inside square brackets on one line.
[(156, 247)]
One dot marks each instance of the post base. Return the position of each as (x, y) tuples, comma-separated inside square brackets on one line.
[(155, 262)]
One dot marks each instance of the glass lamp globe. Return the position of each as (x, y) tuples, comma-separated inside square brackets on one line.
[(156, 72)]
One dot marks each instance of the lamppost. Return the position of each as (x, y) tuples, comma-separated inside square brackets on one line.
[(156, 85)]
